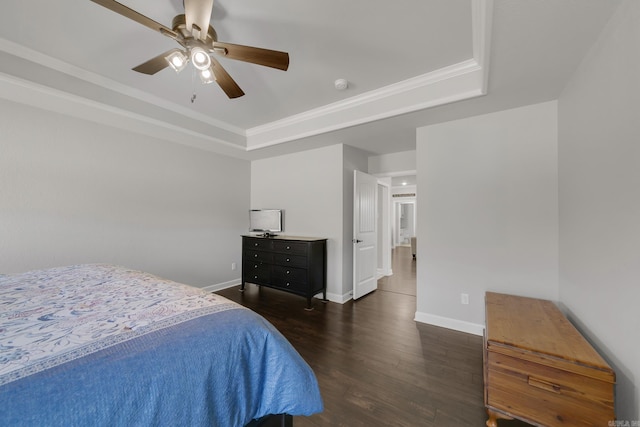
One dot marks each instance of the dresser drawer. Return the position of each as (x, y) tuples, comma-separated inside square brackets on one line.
[(256, 267), (294, 248), (283, 274), (258, 276), (290, 260), (258, 256), (565, 398), (291, 286), (259, 244)]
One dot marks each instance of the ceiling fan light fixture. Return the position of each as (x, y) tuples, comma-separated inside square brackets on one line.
[(200, 58), (206, 76), (177, 60)]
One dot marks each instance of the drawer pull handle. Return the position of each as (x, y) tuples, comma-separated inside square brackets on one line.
[(544, 385), (255, 244), (255, 266), (288, 247), (255, 255), (255, 277), (288, 260), (288, 283), (288, 272)]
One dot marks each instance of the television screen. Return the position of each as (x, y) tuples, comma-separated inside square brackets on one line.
[(265, 220)]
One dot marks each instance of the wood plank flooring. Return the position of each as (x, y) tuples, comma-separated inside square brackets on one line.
[(375, 365)]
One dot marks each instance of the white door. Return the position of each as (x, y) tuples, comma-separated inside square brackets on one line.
[(365, 234)]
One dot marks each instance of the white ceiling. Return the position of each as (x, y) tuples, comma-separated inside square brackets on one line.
[(409, 63)]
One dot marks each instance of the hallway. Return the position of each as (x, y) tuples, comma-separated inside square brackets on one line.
[(403, 280)]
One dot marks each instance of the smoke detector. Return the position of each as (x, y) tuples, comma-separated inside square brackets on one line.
[(341, 84)]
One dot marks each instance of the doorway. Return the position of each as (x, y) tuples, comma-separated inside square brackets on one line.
[(405, 222), (403, 280), (403, 219), (396, 219)]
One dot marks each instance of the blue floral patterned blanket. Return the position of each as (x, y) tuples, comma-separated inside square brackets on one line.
[(103, 345)]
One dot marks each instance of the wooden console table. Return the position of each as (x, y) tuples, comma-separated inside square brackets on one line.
[(292, 264), (538, 368)]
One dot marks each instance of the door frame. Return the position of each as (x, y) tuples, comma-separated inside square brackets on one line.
[(385, 233)]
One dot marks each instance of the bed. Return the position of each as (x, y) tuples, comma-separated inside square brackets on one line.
[(103, 345)]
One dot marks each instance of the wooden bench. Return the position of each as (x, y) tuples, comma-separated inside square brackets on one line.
[(538, 368)]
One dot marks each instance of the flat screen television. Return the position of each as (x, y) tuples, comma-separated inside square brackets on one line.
[(267, 221)]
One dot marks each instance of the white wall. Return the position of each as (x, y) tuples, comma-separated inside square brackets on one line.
[(308, 186), (599, 160), (404, 161), (72, 191), (488, 212)]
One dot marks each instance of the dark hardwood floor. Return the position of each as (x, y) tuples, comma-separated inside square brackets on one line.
[(375, 365)]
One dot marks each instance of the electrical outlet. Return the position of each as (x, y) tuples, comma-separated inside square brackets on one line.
[(233, 265), (464, 299)]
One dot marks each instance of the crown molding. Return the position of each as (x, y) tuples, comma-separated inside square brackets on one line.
[(43, 97), (457, 82), (361, 100), (449, 84), (99, 80)]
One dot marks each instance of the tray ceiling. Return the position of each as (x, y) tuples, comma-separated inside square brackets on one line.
[(402, 60)]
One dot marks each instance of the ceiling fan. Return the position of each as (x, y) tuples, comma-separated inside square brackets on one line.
[(199, 44)]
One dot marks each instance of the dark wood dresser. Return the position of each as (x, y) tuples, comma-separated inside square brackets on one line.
[(293, 264), (538, 368)]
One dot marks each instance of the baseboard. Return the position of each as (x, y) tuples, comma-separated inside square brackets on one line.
[(221, 286), (340, 299), (383, 273), (449, 323)]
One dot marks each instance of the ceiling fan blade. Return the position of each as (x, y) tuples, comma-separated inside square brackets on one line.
[(224, 80), (255, 55), (156, 64), (138, 17), (198, 14)]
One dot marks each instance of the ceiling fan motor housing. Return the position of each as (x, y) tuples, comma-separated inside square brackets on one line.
[(179, 25)]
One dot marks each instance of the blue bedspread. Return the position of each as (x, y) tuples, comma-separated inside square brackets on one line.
[(221, 368)]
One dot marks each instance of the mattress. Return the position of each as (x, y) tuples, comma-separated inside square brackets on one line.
[(105, 345)]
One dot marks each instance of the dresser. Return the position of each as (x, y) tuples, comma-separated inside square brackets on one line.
[(293, 264), (538, 368)]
